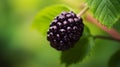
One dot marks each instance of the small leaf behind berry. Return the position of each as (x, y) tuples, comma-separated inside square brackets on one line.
[(45, 16), (80, 51)]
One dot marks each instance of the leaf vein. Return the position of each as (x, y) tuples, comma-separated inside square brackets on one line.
[(112, 9)]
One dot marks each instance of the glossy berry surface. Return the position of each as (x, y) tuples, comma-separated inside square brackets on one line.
[(65, 30)]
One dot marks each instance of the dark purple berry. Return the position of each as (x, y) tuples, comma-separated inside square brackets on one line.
[(65, 30)]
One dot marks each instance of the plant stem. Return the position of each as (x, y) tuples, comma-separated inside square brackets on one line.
[(106, 37), (83, 11), (114, 34)]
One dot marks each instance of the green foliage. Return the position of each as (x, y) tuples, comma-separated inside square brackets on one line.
[(106, 11), (22, 47)]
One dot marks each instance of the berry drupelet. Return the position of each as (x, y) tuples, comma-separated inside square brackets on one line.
[(65, 30)]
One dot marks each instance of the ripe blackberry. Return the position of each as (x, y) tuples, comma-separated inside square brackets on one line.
[(65, 30)]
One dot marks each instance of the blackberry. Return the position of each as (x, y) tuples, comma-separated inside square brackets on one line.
[(65, 30)]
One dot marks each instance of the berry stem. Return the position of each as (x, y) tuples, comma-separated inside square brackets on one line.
[(83, 11)]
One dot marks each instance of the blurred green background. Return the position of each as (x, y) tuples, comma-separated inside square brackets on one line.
[(21, 46)]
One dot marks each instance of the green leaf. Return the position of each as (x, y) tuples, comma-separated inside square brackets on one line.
[(117, 26), (80, 51), (115, 60), (106, 11), (45, 16)]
